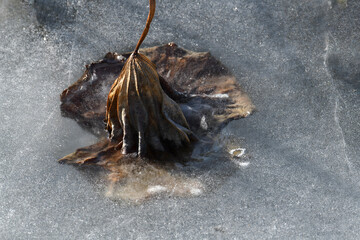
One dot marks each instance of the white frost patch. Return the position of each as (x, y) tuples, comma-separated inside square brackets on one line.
[(156, 189), (196, 191), (237, 152), (93, 77), (219, 95), (243, 164), (120, 57), (168, 74), (203, 123), (240, 163)]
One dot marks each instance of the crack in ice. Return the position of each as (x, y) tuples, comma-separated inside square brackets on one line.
[(337, 121), (337, 98)]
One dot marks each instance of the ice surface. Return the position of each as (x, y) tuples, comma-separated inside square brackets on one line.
[(298, 60)]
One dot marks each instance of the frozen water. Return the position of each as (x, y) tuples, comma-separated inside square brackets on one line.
[(298, 60)]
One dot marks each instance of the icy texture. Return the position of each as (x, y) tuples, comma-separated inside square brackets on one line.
[(298, 60)]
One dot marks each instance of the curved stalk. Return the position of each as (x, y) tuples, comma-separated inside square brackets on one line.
[(147, 26)]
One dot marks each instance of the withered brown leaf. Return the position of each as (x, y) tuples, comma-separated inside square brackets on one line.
[(147, 115), (139, 113)]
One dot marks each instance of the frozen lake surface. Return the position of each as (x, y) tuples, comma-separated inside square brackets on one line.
[(298, 60)]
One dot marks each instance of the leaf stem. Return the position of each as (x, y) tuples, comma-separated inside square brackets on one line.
[(147, 26)]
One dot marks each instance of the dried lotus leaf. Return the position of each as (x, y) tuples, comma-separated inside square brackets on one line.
[(147, 115), (140, 114)]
